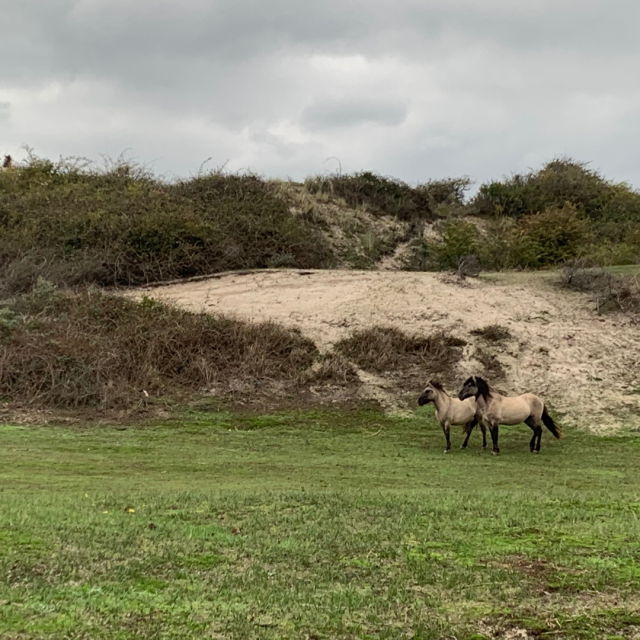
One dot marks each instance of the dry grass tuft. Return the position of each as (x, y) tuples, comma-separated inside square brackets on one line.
[(493, 333), (385, 349), (332, 369), (611, 292)]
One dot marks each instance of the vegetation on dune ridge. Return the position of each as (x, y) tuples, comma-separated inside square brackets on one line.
[(73, 222)]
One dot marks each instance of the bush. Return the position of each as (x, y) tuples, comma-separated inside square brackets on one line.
[(74, 223), (384, 196), (100, 350), (446, 197), (534, 241), (558, 183), (551, 237), (459, 239)]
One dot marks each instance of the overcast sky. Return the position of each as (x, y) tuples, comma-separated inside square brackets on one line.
[(416, 89)]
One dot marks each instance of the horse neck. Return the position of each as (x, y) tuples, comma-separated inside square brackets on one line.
[(442, 401), (493, 396), (482, 402)]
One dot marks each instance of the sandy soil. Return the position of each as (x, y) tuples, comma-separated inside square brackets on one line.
[(586, 366)]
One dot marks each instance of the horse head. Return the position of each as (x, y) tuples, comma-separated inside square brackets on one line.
[(429, 393), (473, 387)]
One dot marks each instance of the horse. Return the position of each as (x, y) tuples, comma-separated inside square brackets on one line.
[(452, 411), (496, 409)]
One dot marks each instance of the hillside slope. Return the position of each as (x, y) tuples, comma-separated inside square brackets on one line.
[(586, 366)]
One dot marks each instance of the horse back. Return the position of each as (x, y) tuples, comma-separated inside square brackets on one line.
[(536, 405), (511, 409), (462, 410)]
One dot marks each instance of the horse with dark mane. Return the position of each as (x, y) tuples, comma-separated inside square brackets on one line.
[(495, 409), (452, 411)]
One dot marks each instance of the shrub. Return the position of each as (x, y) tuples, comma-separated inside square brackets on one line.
[(385, 196), (534, 241), (459, 239), (100, 350), (551, 237), (560, 182), (446, 197), (74, 223)]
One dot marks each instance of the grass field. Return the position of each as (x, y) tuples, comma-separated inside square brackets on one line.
[(315, 525)]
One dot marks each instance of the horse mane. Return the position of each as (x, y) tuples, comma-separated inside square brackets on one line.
[(483, 387), (436, 385)]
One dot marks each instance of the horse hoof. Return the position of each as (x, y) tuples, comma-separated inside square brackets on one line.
[(484, 446), (536, 452), (446, 450), (495, 453)]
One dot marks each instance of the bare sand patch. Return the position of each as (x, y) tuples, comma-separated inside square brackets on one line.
[(586, 366)]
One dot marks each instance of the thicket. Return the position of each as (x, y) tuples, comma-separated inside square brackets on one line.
[(74, 223), (95, 349), (544, 218), (392, 197)]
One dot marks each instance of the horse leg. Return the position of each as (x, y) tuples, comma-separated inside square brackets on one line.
[(532, 423), (468, 428), (484, 434), (539, 433), (447, 430), (493, 427)]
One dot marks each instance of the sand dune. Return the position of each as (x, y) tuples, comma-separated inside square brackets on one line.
[(586, 366)]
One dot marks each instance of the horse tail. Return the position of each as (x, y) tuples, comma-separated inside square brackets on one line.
[(550, 424)]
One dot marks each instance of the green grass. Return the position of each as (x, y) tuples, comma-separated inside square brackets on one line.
[(624, 270), (314, 525)]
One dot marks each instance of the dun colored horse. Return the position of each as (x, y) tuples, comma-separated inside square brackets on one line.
[(495, 409), (452, 411)]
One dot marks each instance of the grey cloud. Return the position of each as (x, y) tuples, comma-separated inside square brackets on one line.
[(352, 112), (126, 39), (481, 88)]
